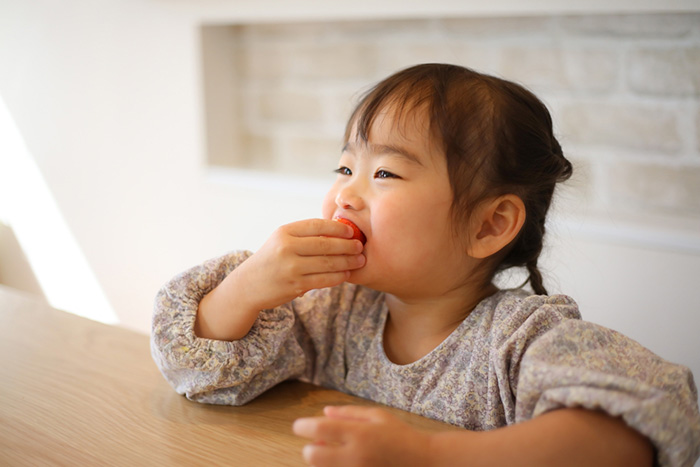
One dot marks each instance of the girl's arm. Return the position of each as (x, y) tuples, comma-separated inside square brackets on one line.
[(571, 437), (581, 364), (245, 337), (349, 436), (217, 371)]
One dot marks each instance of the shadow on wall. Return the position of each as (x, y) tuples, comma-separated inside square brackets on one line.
[(52, 252), (15, 270)]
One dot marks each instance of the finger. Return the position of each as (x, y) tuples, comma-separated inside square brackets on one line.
[(313, 246), (305, 269), (357, 412), (321, 455), (318, 227), (306, 427), (324, 264), (322, 429), (320, 281)]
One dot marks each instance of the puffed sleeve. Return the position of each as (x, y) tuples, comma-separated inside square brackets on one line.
[(221, 372), (580, 364)]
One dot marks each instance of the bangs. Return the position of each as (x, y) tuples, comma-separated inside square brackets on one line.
[(400, 94)]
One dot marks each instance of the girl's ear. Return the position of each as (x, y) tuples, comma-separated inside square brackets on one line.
[(495, 224)]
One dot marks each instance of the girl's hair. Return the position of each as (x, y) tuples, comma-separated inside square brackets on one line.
[(497, 138)]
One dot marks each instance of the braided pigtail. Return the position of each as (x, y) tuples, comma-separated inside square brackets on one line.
[(531, 164), (535, 278), (527, 252)]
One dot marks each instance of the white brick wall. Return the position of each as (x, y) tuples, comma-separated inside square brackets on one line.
[(624, 91)]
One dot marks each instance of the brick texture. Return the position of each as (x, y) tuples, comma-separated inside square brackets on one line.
[(665, 71), (656, 188), (697, 131), (646, 128), (288, 105), (635, 26)]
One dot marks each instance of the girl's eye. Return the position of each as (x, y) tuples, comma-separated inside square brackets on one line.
[(381, 173), (343, 171)]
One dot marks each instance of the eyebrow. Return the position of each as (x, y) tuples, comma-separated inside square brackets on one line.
[(387, 149)]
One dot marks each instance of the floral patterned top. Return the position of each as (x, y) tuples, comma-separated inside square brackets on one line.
[(513, 358)]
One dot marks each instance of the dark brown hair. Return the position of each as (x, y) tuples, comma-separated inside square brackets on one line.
[(497, 139)]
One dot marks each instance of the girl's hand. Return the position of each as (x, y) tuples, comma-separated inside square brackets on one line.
[(361, 436), (298, 257)]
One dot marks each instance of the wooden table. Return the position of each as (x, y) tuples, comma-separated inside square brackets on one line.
[(78, 392)]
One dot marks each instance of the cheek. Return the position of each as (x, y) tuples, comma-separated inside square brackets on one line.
[(392, 227), (328, 206), (411, 224)]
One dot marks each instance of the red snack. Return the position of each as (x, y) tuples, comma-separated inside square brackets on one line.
[(356, 232)]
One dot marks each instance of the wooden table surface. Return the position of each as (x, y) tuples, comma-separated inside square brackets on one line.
[(78, 392)]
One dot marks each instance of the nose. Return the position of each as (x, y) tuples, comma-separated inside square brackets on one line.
[(348, 197)]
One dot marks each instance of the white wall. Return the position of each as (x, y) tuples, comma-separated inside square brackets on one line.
[(107, 98)]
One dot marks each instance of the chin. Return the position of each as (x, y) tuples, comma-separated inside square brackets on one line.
[(363, 278), (359, 277), (355, 278)]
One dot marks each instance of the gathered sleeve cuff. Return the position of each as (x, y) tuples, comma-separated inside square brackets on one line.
[(220, 372), (580, 364)]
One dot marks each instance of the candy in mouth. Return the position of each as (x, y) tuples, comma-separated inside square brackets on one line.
[(356, 232)]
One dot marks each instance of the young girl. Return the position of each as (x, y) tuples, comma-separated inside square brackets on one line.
[(449, 174)]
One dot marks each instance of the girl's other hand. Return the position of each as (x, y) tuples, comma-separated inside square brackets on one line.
[(361, 436)]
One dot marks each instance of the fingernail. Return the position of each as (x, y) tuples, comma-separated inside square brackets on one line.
[(298, 424), (307, 452)]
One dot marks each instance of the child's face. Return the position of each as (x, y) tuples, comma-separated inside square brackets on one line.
[(396, 189)]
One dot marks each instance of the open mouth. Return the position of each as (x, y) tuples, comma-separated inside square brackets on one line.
[(356, 232)]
